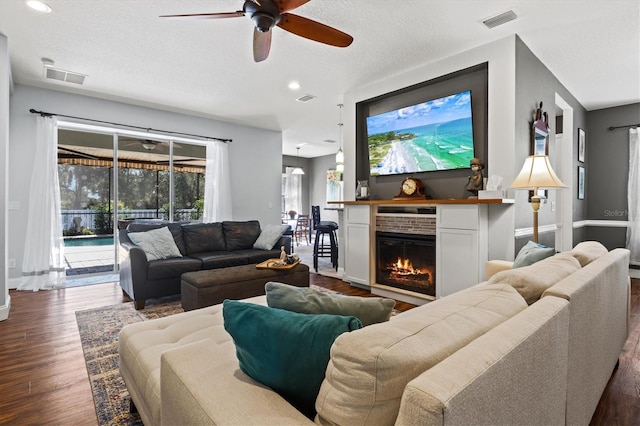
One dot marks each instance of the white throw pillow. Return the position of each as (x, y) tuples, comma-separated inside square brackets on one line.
[(269, 236), (157, 243)]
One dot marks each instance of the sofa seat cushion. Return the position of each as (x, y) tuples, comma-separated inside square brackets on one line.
[(369, 368), (588, 251), (168, 268), (203, 237), (141, 345), (219, 259), (531, 281), (241, 235), (257, 256)]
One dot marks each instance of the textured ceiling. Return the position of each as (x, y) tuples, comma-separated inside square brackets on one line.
[(205, 67)]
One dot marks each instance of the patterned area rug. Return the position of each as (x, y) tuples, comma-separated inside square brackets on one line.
[(99, 330)]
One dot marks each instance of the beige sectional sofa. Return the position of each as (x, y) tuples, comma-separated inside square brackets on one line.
[(480, 356)]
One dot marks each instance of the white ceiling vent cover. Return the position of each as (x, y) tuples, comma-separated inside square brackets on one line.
[(305, 98), (61, 75), (503, 18)]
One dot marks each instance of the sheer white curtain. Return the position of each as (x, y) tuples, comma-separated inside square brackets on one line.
[(217, 186), (43, 261), (293, 191), (633, 200)]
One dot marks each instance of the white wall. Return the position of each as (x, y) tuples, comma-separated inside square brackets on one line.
[(255, 155), (5, 86), (500, 55)]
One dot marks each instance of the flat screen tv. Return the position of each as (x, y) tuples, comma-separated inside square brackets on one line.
[(430, 136)]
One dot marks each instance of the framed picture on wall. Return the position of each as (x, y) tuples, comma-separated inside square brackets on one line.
[(580, 183), (581, 145)]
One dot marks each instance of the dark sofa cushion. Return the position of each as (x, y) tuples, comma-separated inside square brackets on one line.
[(241, 235), (175, 228), (220, 259), (203, 237), (167, 268), (257, 256)]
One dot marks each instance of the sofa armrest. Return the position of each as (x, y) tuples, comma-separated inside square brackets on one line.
[(133, 271), (201, 384), (285, 241), (516, 373), (492, 267)]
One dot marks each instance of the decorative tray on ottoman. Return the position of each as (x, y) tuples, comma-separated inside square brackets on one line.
[(275, 264)]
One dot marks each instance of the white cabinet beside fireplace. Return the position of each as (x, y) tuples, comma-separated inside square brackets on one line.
[(357, 220), (461, 246)]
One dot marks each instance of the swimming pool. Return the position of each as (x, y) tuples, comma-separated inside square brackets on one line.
[(88, 241)]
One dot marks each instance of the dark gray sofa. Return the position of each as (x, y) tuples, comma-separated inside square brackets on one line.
[(202, 245)]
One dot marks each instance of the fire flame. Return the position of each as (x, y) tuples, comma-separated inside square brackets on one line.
[(405, 267)]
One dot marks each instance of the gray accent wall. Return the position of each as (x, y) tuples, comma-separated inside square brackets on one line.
[(255, 155), (535, 83), (607, 155)]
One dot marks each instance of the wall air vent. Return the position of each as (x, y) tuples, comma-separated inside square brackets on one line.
[(497, 20), (305, 98)]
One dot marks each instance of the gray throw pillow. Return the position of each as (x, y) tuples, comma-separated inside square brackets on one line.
[(532, 253), (305, 300), (269, 236), (157, 243)]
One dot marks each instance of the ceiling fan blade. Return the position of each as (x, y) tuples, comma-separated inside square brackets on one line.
[(207, 15), (261, 45), (313, 30), (287, 5)]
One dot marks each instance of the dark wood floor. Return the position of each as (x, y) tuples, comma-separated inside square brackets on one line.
[(43, 379)]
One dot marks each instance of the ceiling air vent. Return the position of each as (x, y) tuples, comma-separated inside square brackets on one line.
[(503, 18), (305, 98), (61, 75)]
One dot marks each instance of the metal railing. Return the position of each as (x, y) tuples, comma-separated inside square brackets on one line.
[(77, 220)]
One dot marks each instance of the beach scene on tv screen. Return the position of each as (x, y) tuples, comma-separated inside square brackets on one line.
[(433, 135)]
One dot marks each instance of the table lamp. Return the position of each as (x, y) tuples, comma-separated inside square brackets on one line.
[(536, 173)]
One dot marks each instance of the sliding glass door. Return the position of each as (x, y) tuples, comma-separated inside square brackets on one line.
[(153, 179)]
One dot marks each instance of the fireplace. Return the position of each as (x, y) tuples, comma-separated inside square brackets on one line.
[(406, 261)]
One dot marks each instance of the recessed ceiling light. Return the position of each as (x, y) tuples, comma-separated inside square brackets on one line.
[(39, 6), (294, 85)]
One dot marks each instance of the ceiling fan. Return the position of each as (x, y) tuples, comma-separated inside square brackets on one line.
[(148, 144), (266, 14)]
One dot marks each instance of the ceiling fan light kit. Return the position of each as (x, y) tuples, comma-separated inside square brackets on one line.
[(266, 14)]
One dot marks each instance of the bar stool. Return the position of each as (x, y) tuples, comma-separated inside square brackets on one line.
[(320, 246)]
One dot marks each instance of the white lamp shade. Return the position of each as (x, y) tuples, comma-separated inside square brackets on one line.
[(340, 157), (537, 173), (297, 171)]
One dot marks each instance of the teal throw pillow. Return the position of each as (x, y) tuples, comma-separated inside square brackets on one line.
[(283, 350), (532, 253), (305, 300)]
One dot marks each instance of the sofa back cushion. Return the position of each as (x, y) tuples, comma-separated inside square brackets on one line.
[(588, 251), (531, 281), (369, 368), (241, 235), (203, 237), (175, 228)]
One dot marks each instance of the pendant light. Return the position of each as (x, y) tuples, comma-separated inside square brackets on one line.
[(298, 170), (340, 154)]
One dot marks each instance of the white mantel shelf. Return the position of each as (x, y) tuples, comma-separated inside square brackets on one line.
[(413, 201)]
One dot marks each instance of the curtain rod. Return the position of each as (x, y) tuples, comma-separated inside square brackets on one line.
[(624, 127), (148, 129)]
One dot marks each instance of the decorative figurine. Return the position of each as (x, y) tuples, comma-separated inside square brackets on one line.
[(476, 180)]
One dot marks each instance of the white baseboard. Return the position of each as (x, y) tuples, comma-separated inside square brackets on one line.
[(14, 283)]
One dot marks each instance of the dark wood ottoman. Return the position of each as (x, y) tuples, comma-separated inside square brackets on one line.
[(212, 286)]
